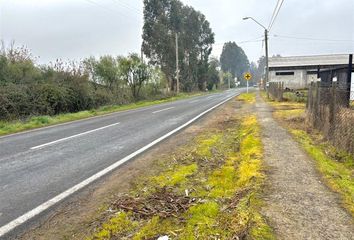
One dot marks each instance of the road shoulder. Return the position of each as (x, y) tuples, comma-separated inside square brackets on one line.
[(298, 204), (77, 217)]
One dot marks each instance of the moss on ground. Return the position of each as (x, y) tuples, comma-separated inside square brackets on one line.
[(176, 176), (119, 224), (221, 175), (247, 97), (336, 166)]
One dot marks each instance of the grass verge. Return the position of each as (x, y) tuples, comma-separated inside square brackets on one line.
[(207, 190), (336, 167), (43, 121), (247, 97)]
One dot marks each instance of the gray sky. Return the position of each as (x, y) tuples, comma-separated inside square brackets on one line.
[(75, 29)]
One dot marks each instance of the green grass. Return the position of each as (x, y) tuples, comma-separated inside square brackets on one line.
[(43, 121), (292, 97)]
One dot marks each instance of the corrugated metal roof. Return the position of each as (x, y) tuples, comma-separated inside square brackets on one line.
[(335, 59)]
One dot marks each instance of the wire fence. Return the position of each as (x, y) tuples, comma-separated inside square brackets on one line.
[(276, 90), (330, 110)]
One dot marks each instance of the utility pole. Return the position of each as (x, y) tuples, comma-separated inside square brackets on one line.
[(228, 80), (142, 54), (267, 59), (177, 67), (266, 50)]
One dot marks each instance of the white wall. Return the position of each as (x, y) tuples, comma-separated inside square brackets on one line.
[(296, 81), (300, 79)]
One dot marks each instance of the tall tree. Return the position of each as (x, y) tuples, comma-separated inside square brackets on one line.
[(234, 60), (162, 21), (213, 74), (255, 74)]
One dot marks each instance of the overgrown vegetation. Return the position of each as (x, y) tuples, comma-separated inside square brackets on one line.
[(336, 166), (296, 96), (8, 127), (28, 89), (208, 190)]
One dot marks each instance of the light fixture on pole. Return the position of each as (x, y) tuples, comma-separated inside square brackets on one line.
[(266, 46)]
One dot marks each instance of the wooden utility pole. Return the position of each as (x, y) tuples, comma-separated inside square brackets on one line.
[(142, 54), (267, 60), (177, 67), (228, 81)]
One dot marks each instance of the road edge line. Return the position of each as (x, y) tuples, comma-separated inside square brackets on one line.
[(7, 228), (93, 117)]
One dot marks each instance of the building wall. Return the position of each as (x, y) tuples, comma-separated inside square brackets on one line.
[(298, 80)]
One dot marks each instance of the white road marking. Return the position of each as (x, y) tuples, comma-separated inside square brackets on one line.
[(84, 119), (194, 101), (44, 206), (165, 109), (77, 135)]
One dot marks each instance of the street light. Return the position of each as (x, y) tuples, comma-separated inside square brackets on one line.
[(266, 45)]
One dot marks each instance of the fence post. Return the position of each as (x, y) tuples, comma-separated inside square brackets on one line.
[(282, 91), (332, 106), (317, 105), (349, 77)]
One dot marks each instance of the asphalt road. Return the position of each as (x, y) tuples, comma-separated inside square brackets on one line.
[(36, 166)]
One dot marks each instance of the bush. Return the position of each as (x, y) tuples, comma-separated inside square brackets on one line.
[(28, 90)]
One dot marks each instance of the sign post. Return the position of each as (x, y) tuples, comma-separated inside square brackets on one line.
[(247, 76)]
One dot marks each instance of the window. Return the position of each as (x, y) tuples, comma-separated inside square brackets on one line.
[(311, 72), (284, 73)]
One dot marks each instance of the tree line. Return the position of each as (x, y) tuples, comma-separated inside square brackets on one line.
[(29, 89)]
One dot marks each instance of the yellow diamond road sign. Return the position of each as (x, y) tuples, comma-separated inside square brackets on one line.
[(247, 76)]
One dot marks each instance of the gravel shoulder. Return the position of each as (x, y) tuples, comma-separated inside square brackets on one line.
[(298, 204)]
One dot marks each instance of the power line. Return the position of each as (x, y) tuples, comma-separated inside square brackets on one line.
[(258, 39), (253, 41), (121, 14), (128, 7), (314, 39), (275, 14)]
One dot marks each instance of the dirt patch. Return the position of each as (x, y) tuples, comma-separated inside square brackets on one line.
[(163, 203), (75, 218), (299, 205)]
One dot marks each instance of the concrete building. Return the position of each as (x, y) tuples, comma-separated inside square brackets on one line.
[(299, 71)]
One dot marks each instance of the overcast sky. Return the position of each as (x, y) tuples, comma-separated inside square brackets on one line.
[(75, 29)]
